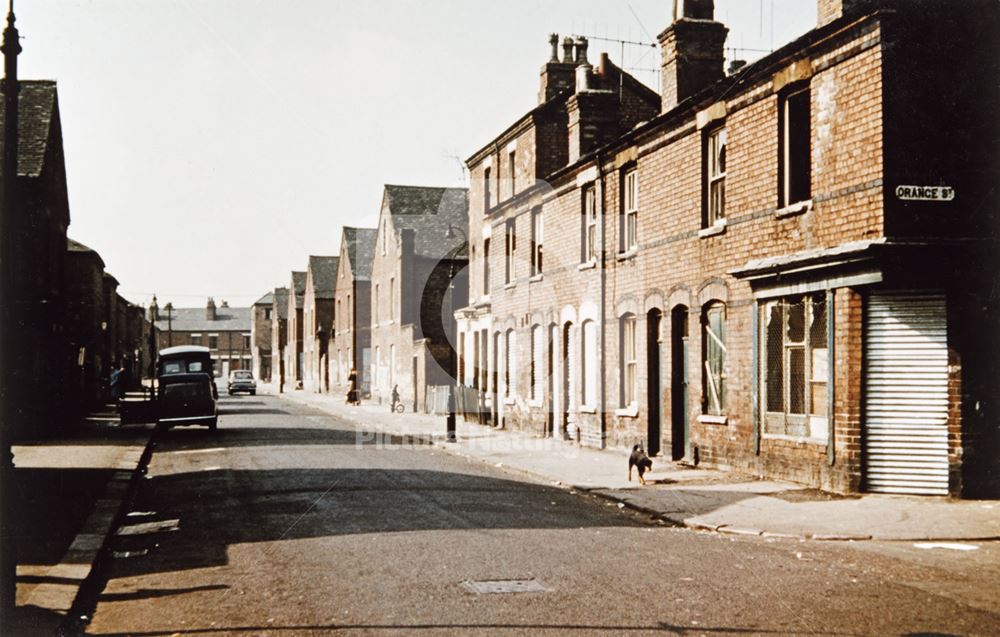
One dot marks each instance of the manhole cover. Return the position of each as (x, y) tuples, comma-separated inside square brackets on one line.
[(496, 586)]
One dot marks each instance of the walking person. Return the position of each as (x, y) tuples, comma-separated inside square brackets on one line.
[(117, 382), (352, 388)]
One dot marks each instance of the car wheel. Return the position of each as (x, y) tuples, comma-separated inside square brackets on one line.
[(213, 424), (253, 392)]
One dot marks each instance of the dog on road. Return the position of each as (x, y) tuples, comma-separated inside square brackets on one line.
[(640, 461)]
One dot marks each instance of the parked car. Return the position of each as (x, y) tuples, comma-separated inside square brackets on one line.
[(186, 392), (242, 380)]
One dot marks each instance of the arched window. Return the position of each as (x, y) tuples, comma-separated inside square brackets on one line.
[(537, 361), (713, 356), (629, 370), (588, 364)]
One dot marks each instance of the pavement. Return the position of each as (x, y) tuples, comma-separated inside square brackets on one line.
[(684, 496), (71, 488)]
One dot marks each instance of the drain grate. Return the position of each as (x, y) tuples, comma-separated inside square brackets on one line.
[(502, 586)]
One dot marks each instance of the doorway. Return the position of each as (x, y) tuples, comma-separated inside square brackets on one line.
[(679, 416), (654, 388), (564, 372), (550, 418)]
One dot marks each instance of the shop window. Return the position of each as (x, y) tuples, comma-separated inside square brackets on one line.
[(794, 366)]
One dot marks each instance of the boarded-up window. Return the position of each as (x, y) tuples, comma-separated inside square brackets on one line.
[(714, 355)]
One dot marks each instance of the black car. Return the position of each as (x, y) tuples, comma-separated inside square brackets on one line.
[(186, 392)]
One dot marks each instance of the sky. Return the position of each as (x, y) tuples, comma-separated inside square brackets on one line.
[(212, 145)]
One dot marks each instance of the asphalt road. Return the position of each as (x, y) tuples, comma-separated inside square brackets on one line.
[(288, 522)]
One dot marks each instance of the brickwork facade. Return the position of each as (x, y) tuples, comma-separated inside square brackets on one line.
[(664, 332)]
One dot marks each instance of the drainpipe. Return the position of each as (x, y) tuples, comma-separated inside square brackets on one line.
[(602, 377)]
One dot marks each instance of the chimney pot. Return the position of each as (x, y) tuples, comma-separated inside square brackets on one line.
[(581, 51), (554, 41), (694, 10), (735, 66), (567, 46)]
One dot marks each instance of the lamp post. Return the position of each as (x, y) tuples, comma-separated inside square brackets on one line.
[(10, 349), (452, 357), (169, 307)]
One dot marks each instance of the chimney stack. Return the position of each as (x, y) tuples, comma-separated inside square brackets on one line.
[(154, 311), (693, 49), (556, 76), (210, 310), (584, 70), (829, 10)]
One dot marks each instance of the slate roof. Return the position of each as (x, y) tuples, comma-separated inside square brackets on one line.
[(281, 302), (360, 250), (77, 247), (299, 287), (429, 212), (192, 319), (267, 299), (37, 110), (324, 275)]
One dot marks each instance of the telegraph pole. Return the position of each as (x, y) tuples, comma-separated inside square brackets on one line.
[(9, 297)]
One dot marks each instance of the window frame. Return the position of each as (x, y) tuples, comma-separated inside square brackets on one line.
[(486, 266), (814, 367), (630, 209), (715, 170), (628, 361), (537, 239), (794, 146), (589, 219), (487, 192), (588, 364), (510, 251), (512, 171), (714, 360)]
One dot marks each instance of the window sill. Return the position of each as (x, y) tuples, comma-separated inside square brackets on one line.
[(718, 228), (798, 439), (535, 279), (795, 209), (587, 265), (509, 286), (713, 420), (508, 400), (632, 411), (587, 409), (536, 403), (628, 254)]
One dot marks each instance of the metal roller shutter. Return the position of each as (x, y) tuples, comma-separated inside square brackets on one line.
[(906, 394)]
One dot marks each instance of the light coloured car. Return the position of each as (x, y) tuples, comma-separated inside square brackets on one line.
[(242, 380)]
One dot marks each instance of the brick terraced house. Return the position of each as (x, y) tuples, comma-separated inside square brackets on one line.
[(350, 344), (293, 343), (279, 338), (783, 271), (420, 247), (224, 330), (317, 319), (260, 337)]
